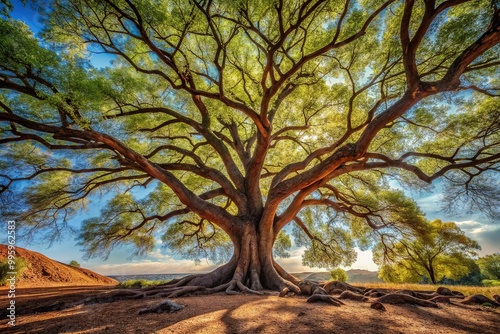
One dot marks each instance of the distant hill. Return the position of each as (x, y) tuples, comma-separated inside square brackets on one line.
[(362, 276), (43, 272), (354, 276)]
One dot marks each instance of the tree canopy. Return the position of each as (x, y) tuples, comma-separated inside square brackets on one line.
[(441, 251), (220, 123), (490, 266), (339, 275), (74, 263)]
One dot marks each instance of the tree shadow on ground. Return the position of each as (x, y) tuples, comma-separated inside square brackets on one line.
[(445, 316)]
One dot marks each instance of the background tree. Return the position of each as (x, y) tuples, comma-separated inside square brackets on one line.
[(439, 251), (473, 277), (339, 274), (220, 123), (490, 266), (74, 263)]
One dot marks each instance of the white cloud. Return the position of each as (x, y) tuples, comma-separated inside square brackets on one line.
[(468, 224), (476, 228), (157, 254), (482, 229)]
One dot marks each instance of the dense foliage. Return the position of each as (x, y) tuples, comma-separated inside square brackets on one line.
[(440, 251), (339, 274), (490, 266), (74, 263)]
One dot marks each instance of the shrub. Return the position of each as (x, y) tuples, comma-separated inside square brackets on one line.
[(139, 283), (74, 263), (20, 265), (339, 275)]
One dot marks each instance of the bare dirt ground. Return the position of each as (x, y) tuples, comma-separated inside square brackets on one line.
[(223, 314), (42, 271)]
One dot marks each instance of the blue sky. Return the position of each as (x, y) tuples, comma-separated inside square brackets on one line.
[(486, 232)]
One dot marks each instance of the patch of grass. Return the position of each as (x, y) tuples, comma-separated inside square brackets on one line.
[(20, 265), (488, 291), (139, 283)]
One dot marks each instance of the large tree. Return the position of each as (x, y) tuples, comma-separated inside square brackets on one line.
[(239, 118)]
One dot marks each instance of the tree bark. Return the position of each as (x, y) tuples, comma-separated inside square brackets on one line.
[(251, 269)]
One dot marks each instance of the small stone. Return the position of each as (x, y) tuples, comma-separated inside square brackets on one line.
[(166, 306), (301, 314), (479, 299), (378, 306), (170, 306)]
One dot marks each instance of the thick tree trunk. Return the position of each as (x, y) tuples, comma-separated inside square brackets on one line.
[(432, 276), (430, 271), (251, 269)]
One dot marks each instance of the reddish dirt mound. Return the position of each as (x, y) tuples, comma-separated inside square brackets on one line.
[(44, 272)]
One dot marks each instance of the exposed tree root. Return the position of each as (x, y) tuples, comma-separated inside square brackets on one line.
[(284, 292), (379, 291), (231, 288), (441, 299), (336, 292), (337, 285), (309, 287), (497, 298), (352, 296), (479, 299), (181, 281), (317, 293), (407, 292), (289, 287), (324, 299), (166, 306), (425, 296)]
